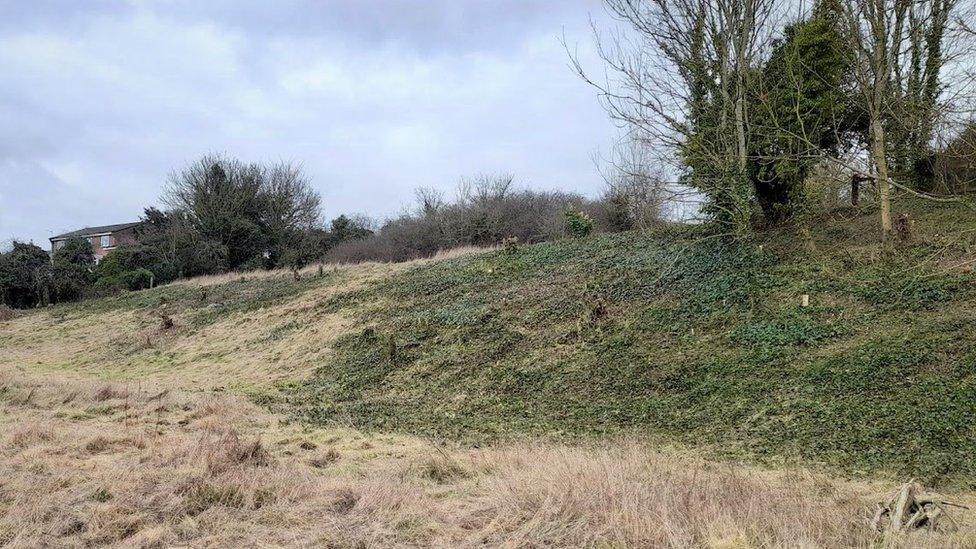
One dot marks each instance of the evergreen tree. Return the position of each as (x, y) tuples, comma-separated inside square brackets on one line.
[(71, 270), (801, 111)]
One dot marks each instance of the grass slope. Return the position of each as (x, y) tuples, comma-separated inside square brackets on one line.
[(678, 335), (239, 332), (670, 334)]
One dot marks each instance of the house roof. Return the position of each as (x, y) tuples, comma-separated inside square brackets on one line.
[(91, 231)]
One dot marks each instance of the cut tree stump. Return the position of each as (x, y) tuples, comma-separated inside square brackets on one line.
[(911, 508)]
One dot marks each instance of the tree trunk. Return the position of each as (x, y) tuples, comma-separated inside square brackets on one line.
[(881, 165), (741, 45)]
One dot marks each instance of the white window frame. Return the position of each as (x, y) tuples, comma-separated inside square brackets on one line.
[(105, 241)]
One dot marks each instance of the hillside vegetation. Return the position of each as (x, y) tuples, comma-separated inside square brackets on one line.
[(671, 335), (684, 336)]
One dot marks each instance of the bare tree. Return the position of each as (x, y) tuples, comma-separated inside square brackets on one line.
[(429, 200), (899, 50), (636, 188), (290, 207), (484, 189), (680, 81)]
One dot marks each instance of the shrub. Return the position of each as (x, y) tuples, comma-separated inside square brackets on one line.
[(25, 276), (135, 279), (71, 270), (138, 256), (511, 245), (578, 223), (375, 248), (486, 212)]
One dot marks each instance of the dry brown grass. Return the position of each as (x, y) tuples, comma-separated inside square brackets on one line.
[(462, 251), (93, 464), (235, 352), (223, 278), (366, 268)]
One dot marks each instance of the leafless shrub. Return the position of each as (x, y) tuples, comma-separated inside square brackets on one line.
[(485, 211), (375, 248), (636, 189)]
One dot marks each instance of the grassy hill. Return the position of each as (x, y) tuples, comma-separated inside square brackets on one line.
[(674, 334)]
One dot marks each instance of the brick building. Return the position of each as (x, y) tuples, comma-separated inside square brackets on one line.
[(103, 239)]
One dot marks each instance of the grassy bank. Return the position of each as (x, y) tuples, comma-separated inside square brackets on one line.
[(671, 335), (675, 334)]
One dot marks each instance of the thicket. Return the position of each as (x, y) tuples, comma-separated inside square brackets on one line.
[(487, 210), (30, 277)]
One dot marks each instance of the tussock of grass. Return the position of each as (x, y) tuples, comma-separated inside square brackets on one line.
[(29, 434), (324, 459), (109, 392), (442, 469)]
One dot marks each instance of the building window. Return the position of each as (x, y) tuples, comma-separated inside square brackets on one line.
[(105, 242)]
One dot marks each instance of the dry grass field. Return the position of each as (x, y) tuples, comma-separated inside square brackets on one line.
[(91, 463)]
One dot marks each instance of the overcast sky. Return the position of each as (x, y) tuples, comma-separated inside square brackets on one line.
[(100, 100)]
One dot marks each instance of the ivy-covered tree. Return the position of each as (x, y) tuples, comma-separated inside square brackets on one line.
[(915, 89), (801, 111)]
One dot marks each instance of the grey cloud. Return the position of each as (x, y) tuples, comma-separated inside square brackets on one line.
[(427, 25), (374, 98)]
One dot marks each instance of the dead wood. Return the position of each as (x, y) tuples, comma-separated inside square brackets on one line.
[(911, 508)]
